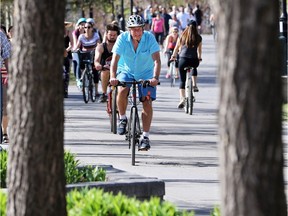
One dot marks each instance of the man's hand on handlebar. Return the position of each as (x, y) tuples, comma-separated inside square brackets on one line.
[(113, 81), (154, 82)]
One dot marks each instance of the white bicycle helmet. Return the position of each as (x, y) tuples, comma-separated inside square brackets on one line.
[(90, 20), (135, 21)]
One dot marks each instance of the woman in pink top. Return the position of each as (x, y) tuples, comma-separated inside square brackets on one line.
[(158, 28)]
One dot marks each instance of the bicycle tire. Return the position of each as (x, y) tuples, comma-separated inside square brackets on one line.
[(133, 133), (172, 76), (114, 111), (92, 89), (190, 98), (85, 87), (129, 131)]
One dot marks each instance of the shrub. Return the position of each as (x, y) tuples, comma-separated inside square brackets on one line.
[(3, 203), (96, 202), (73, 173), (216, 211), (3, 168)]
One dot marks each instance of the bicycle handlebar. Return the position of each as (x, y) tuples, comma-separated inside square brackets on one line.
[(145, 83)]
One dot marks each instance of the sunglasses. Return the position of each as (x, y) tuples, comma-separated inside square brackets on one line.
[(87, 27)]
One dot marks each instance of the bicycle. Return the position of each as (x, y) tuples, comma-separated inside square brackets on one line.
[(134, 131), (189, 93), (88, 85)]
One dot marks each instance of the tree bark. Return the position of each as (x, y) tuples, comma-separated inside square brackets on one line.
[(36, 181), (252, 178)]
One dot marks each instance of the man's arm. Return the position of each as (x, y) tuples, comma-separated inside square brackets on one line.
[(5, 49), (157, 67), (98, 54), (6, 64), (113, 69), (176, 50)]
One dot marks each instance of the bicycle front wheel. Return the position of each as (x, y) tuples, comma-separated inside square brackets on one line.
[(134, 132), (85, 87)]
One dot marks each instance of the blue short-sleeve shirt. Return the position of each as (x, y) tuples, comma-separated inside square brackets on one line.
[(137, 65)]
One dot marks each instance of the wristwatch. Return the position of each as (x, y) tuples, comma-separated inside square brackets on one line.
[(156, 77)]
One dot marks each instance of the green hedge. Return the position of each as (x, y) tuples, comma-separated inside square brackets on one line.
[(215, 211), (73, 173), (95, 202), (3, 168)]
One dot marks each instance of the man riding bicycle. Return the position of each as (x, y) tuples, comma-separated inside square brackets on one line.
[(136, 56), (103, 56)]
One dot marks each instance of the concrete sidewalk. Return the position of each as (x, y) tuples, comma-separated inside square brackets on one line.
[(184, 151)]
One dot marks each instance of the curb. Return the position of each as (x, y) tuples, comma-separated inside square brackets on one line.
[(128, 184)]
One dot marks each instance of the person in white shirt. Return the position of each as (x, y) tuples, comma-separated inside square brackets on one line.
[(183, 18)]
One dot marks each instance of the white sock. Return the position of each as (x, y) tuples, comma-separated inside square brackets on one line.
[(123, 117), (145, 134)]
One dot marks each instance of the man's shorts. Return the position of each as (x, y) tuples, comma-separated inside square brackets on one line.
[(142, 92)]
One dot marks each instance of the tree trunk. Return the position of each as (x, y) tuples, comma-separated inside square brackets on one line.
[(250, 109), (36, 181)]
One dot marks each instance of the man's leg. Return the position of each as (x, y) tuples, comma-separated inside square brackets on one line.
[(122, 102), (104, 83), (147, 114)]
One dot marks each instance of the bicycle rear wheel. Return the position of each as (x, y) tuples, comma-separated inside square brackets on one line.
[(85, 87), (172, 74), (190, 98), (114, 111), (135, 132)]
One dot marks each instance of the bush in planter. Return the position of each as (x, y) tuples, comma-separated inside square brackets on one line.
[(83, 174), (73, 173), (96, 202)]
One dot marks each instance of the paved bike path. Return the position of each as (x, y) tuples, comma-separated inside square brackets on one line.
[(184, 150)]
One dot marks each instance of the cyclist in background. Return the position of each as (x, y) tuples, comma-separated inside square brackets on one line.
[(88, 41), (136, 56), (190, 45), (169, 48), (103, 56), (79, 29), (67, 58), (5, 53)]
